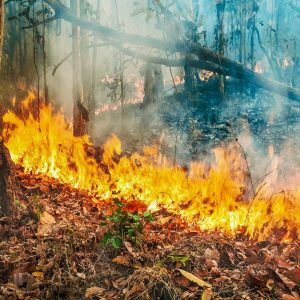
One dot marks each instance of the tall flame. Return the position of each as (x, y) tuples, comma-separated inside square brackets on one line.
[(213, 197)]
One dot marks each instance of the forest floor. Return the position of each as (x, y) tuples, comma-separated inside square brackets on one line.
[(51, 250)]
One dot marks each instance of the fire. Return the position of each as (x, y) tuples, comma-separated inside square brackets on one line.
[(206, 75), (213, 197), (178, 80), (285, 63), (138, 98), (258, 68)]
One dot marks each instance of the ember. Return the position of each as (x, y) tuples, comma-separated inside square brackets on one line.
[(215, 197)]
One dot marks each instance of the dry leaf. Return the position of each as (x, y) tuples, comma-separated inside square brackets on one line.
[(94, 292), (283, 264), (135, 289), (81, 275), (121, 260), (294, 275), (47, 219), (207, 294), (182, 281), (46, 224), (130, 249), (270, 284), (38, 274), (288, 297), (194, 278)]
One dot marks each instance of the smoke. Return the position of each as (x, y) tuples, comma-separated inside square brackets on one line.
[(265, 125)]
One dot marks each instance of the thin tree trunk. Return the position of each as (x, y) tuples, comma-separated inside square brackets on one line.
[(92, 106), (78, 124), (221, 41), (1, 27), (86, 76)]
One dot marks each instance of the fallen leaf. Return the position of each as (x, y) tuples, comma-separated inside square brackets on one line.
[(38, 274), (81, 275), (135, 289), (47, 219), (294, 275), (281, 263), (44, 188), (270, 284), (226, 260), (207, 294), (285, 280), (288, 297), (187, 295), (46, 224), (164, 220), (5, 220), (94, 291), (183, 281), (121, 260), (194, 278)]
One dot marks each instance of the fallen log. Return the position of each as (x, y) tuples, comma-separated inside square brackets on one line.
[(7, 182), (207, 59), (232, 69)]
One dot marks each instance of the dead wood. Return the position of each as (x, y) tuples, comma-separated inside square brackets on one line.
[(7, 182)]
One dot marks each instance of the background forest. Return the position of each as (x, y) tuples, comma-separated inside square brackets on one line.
[(102, 84)]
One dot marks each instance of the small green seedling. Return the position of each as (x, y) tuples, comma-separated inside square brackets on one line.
[(123, 225)]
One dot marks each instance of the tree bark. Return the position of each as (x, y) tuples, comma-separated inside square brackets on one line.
[(1, 27), (78, 121), (92, 107), (6, 182), (86, 76)]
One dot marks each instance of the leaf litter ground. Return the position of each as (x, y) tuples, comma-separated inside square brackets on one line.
[(51, 250)]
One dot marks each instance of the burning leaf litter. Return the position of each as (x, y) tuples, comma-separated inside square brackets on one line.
[(214, 197), (70, 264)]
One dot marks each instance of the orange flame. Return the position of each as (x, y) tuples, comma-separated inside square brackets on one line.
[(258, 68), (138, 98), (213, 197)]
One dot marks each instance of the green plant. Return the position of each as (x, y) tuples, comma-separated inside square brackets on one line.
[(178, 258), (123, 225)]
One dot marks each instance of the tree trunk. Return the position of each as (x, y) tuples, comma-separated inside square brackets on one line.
[(86, 77), (78, 121), (1, 27), (92, 106), (6, 182)]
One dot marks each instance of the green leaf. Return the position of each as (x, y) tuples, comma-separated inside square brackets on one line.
[(131, 232), (148, 216), (103, 223), (116, 242), (118, 202), (136, 217), (115, 219), (106, 238)]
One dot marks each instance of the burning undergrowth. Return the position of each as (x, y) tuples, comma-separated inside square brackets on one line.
[(214, 197)]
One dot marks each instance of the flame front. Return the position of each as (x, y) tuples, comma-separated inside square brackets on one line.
[(214, 197)]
